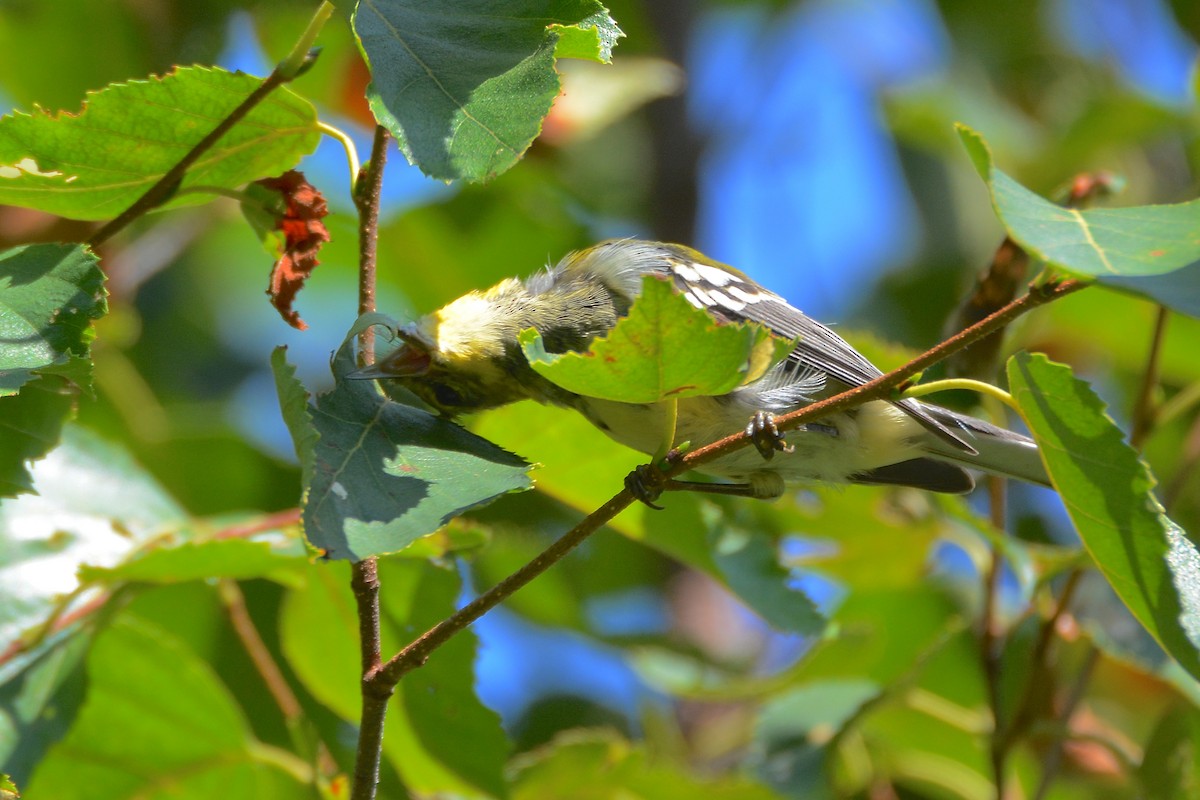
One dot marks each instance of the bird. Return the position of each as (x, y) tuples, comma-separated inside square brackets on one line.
[(466, 357)]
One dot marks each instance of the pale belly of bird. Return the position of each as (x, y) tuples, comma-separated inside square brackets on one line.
[(828, 450)]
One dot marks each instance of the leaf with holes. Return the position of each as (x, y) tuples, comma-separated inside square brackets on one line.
[(665, 348)]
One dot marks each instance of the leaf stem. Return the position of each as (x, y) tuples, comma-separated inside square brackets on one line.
[(418, 651), (300, 58), (970, 384), (347, 145), (1179, 404)]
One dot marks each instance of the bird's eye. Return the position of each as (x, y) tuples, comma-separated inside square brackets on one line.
[(447, 396)]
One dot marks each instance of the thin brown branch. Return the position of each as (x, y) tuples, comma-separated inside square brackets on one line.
[(239, 617), (886, 384), (365, 578), (418, 651), (367, 189), (272, 676), (1144, 411)]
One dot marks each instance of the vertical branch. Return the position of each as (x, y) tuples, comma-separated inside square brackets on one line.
[(365, 580), (1143, 410), (989, 636)]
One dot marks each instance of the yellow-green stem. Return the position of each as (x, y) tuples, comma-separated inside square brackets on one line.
[(986, 389), (348, 145)]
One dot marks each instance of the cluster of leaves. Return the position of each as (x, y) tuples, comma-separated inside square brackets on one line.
[(152, 640)]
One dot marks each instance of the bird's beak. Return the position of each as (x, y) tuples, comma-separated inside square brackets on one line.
[(406, 361)]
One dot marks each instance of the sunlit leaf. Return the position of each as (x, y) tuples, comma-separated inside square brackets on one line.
[(664, 348), (1153, 565), (188, 730), (599, 764), (94, 164), (93, 505), (218, 558), (437, 734)]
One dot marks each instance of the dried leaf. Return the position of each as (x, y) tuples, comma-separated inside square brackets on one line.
[(304, 234)]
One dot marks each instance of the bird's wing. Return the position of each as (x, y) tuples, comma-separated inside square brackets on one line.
[(732, 297)]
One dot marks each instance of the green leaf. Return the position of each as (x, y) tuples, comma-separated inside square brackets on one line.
[(297, 414), (49, 296), (447, 745), (1153, 565), (440, 697), (1170, 769), (93, 505), (582, 469), (664, 348), (1126, 248), (749, 563), (597, 764), (464, 87), (793, 732), (217, 558), (95, 164), (178, 726), (385, 474)]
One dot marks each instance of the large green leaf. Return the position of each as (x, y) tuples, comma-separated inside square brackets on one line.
[(582, 469), (94, 164), (178, 727), (93, 505), (749, 563), (49, 296), (384, 474), (793, 732), (437, 734), (1153, 565), (664, 348), (1140, 249), (464, 86), (197, 561), (591, 765)]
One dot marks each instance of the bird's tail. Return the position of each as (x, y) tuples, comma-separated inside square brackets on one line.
[(1001, 452)]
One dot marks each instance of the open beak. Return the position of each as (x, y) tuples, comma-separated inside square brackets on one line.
[(406, 361)]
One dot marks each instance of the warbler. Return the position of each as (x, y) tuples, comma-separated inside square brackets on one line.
[(466, 357)]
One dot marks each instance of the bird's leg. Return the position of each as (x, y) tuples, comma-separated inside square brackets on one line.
[(766, 437)]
